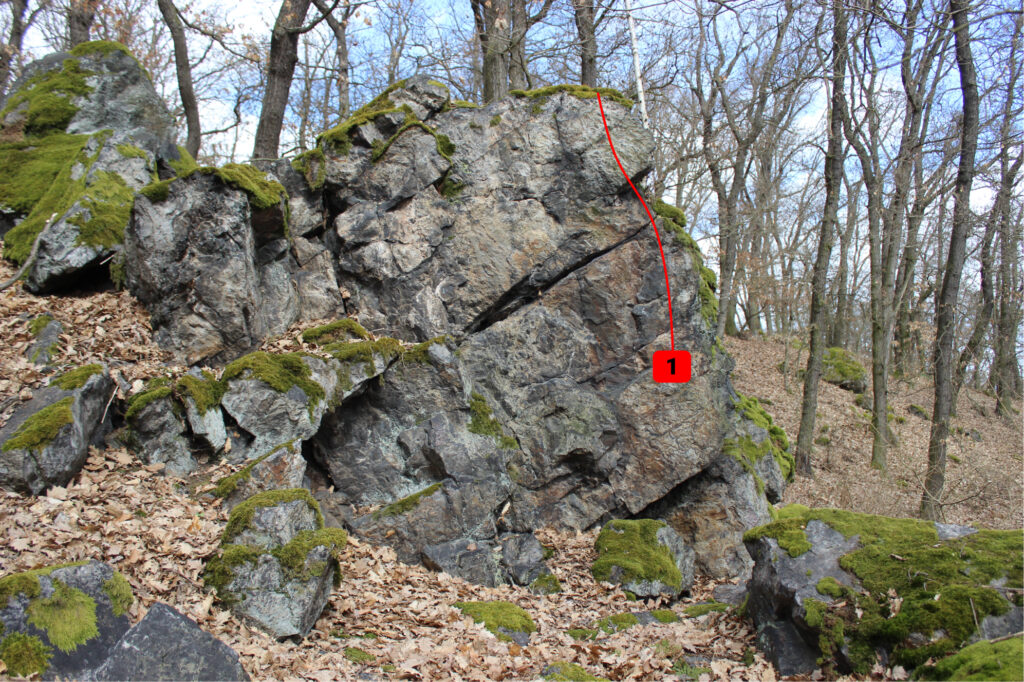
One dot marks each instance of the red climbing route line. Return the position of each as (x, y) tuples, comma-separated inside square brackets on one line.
[(664, 265)]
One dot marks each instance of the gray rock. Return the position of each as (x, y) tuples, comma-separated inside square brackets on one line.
[(165, 645), (951, 531), (46, 343), (728, 593), (157, 434), (69, 584), (34, 468), (523, 557), (208, 426), (276, 526), (471, 560), (282, 469)]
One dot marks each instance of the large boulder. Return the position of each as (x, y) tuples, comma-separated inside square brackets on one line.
[(277, 564), (645, 556), (46, 441), (842, 590), (82, 131)]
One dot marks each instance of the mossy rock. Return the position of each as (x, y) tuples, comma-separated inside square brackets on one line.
[(698, 610), (345, 329), (406, 504), (483, 422), (982, 660), (280, 371), (39, 430), (563, 671), (76, 378), (617, 622), (578, 91), (747, 453), (674, 220), (546, 583), (946, 586), (840, 367), (632, 553), (503, 619)]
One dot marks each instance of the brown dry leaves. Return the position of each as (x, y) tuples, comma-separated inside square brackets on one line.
[(988, 477)]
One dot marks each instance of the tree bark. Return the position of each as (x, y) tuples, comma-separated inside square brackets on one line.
[(12, 48), (80, 16), (935, 476), (833, 186), (284, 54), (586, 28), (340, 31), (184, 72), (491, 18)]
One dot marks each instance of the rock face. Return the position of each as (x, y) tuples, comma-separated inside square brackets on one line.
[(46, 442), (835, 589), (277, 562), (94, 119), (166, 645)]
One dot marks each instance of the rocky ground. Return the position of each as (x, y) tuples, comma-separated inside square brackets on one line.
[(157, 531)]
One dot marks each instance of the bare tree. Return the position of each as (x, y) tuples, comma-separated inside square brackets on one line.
[(80, 17), (183, 69), (10, 50)]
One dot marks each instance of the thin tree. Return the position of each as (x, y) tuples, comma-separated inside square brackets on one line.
[(935, 477), (10, 50), (80, 17), (183, 69)]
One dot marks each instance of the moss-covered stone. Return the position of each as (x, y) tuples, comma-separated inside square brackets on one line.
[(339, 138), (103, 48), (419, 352), (497, 615), (119, 591), (339, 330), (108, 201), (68, 616), (40, 429), (263, 193), (227, 485), (156, 389), (583, 633), (406, 503), (632, 546), (50, 98), (313, 166), (185, 165), (24, 654), (495, 120), (569, 672), (280, 371), (919, 411), (359, 656), (675, 221), (945, 585), (698, 610), (982, 660), (483, 422), (241, 516), (28, 167), (445, 147), (157, 191), (206, 391), (578, 91), (546, 583), (130, 151), (617, 622), (363, 352), (839, 366), (665, 616), (38, 324), (777, 443), (76, 378)]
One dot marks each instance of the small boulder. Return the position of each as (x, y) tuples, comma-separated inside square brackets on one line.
[(279, 469), (645, 556), (165, 645), (46, 441), (157, 431), (277, 562), (46, 333), (472, 560), (62, 621), (841, 368), (506, 621)]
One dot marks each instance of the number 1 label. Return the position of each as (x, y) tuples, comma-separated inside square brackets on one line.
[(671, 366)]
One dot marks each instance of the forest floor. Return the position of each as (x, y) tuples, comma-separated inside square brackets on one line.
[(158, 530)]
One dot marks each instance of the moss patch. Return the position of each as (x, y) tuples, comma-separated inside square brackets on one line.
[(675, 221), (943, 584), (100, 47), (206, 392), (313, 166), (483, 422), (546, 584), (778, 441), (578, 91), (37, 325), (665, 616), (120, 594), (68, 616), (157, 191), (839, 366), (108, 201), (185, 165), (620, 621), (495, 120), (445, 147), (227, 485), (339, 138), (280, 371), (981, 661), (569, 672), (29, 167), (40, 429), (633, 547), (406, 503), (50, 98), (24, 654), (263, 193), (339, 330), (130, 151), (498, 614), (241, 516), (698, 610), (583, 633), (359, 656), (76, 378), (156, 388)]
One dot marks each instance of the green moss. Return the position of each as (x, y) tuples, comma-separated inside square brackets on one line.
[(130, 151), (227, 485), (495, 120), (443, 143), (688, 671), (26, 583), (483, 422), (583, 633), (665, 616), (108, 201), (68, 616), (548, 552), (220, 570), (463, 104), (698, 610), (339, 330), (385, 348), (38, 324), (37, 431), (312, 165), (206, 391), (450, 189), (982, 660), (339, 138), (185, 165), (157, 191), (24, 655), (546, 583), (569, 672), (120, 593), (50, 97), (498, 614), (918, 411), (418, 353), (293, 555), (831, 587), (578, 91), (406, 503), (280, 371), (359, 656), (262, 193), (674, 220), (29, 167), (944, 585), (156, 389), (777, 438), (76, 378), (100, 47), (241, 516), (118, 276), (617, 622), (839, 365), (633, 547)]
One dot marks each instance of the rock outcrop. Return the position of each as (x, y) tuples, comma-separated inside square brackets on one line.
[(836, 589)]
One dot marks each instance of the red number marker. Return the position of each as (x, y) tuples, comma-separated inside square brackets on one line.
[(671, 366)]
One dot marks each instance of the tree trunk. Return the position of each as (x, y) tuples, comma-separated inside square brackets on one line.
[(184, 73), (491, 18), (945, 321), (839, 334), (14, 40), (833, 185), (340, 31), (80, 16), (284, 54), (585, 14)]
